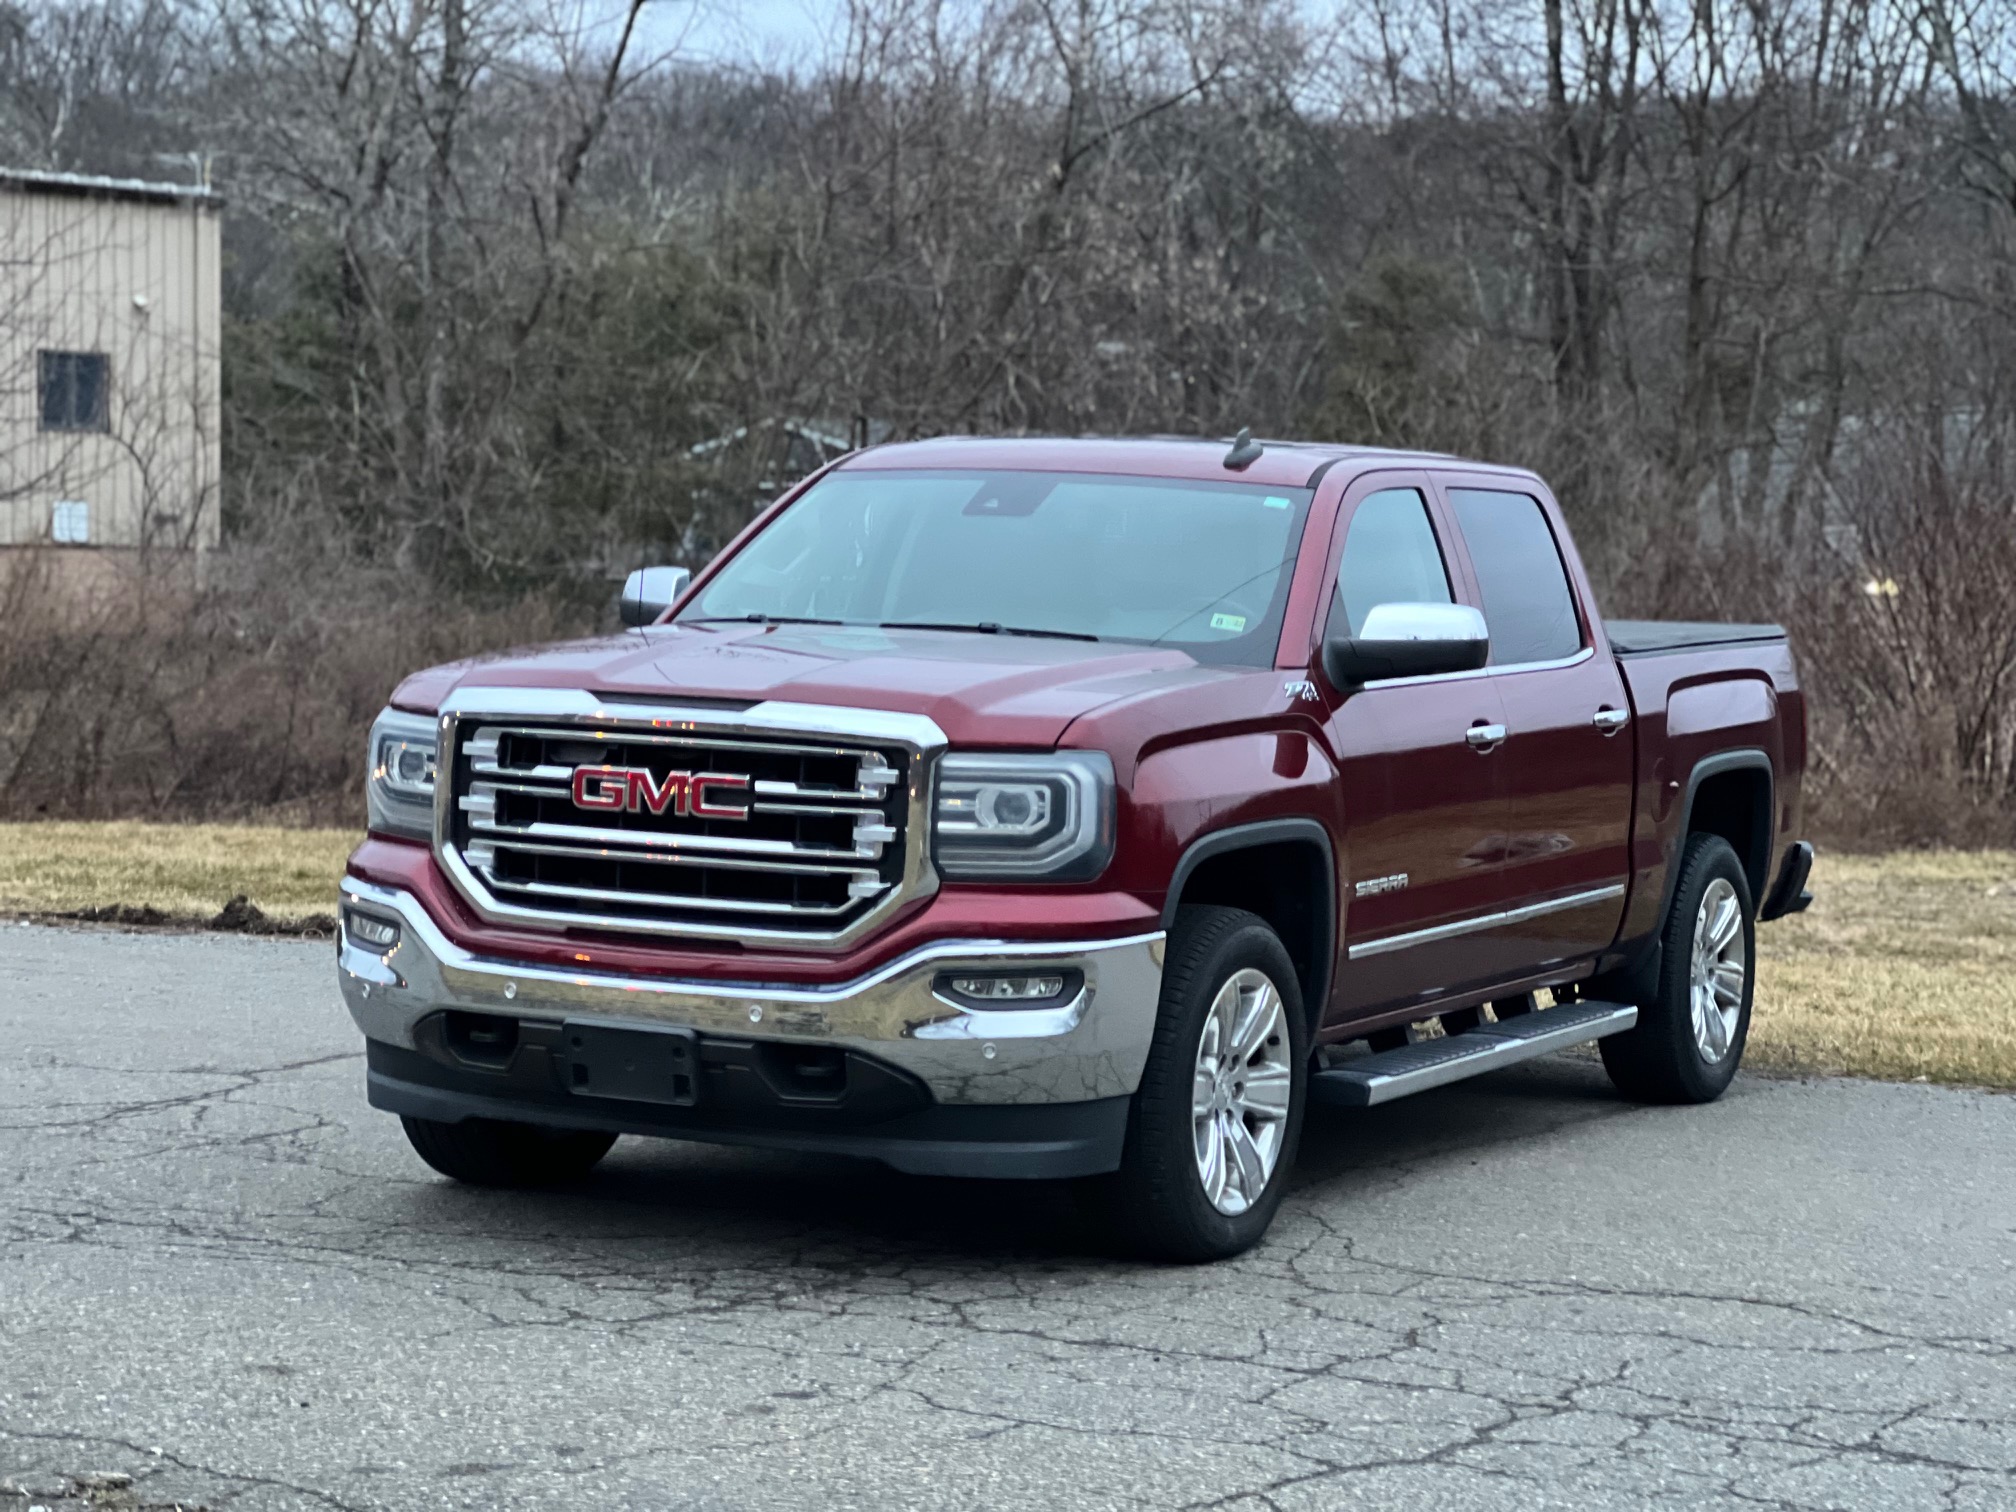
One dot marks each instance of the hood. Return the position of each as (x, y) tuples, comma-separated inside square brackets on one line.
[(980, 689)]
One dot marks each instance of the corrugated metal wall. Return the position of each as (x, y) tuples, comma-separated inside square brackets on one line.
[(139, 282)]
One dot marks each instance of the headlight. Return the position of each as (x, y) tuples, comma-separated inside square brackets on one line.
[(1024, 818), (399, 788)]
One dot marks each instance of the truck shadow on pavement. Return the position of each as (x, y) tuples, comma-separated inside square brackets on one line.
[(729, 1202)]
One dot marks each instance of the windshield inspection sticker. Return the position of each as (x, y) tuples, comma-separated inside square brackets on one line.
[(1273, 501), (1228, 622)]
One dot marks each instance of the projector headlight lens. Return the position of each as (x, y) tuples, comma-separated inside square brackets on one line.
[(1024, 817)]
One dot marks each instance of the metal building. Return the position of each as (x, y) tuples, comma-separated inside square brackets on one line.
[(109, 314)]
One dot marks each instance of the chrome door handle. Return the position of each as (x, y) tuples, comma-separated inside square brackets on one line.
[(1485, 738), (1610, 720)]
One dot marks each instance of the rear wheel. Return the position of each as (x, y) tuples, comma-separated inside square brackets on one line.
[(494, 1152), (1690, 1036), (1213, 1129)]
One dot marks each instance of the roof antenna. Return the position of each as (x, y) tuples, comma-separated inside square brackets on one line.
[(1245, 450)]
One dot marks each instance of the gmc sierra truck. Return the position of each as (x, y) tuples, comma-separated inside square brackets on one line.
[(1072, 809)]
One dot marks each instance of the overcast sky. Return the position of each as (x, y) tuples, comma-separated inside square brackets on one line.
[(776, 32)]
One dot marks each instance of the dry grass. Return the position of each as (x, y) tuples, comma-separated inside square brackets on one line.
[(1905, 966), (184, 870)]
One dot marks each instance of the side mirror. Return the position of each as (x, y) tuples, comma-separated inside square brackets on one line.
[(1408, 640), (650, 591)]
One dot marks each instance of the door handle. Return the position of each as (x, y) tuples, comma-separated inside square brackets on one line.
[(1610, 720), (1485, 738)]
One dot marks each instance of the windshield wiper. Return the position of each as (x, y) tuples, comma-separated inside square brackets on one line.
[(755, 619), (985, 627)]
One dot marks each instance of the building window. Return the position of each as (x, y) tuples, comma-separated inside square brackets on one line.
[(76, 387), (70, 522)]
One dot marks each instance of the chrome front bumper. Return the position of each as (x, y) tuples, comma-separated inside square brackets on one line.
[(1092, 1046)]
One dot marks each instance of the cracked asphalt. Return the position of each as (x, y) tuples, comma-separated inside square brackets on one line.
[(224, 1275)]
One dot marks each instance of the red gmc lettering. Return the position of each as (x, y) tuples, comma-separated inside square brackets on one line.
[(600, 788), (706, 808), (636, 791), (645, 793)]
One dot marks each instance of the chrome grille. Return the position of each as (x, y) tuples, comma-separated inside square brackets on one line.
[(824, 848)]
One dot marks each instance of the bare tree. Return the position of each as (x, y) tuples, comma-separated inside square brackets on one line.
[(512, 304)]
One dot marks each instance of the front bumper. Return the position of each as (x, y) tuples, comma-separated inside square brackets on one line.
[(972, 1065)]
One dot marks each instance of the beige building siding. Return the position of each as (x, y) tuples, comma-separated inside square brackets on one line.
[(131, 272)]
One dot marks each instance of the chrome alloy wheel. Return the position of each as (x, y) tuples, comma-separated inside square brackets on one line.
[(1239, 1102), (1720, 965)]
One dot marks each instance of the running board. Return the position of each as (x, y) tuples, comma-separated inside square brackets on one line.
[(1374, 1079)]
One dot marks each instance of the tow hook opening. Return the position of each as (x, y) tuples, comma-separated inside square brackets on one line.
[(481, 1039), (806, 1071)]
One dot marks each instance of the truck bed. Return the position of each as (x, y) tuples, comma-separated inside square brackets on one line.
[(1651, 637), (1709, 697)]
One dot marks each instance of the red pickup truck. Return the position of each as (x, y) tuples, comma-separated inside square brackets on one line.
[(1027, 808)]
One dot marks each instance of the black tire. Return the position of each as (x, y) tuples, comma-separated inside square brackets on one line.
[(1660, 1061), (1160, 1199), (494, 1153)]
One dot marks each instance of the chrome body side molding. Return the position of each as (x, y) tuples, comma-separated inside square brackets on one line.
[(1384, 943)]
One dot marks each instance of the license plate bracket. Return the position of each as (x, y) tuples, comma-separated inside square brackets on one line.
[(630, 1062)]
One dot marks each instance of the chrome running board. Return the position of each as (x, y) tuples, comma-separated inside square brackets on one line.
[(1379, 1078)]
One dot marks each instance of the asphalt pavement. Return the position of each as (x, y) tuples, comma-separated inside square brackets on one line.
[(223, 1275)]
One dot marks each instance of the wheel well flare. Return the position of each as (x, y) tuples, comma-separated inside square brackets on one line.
[(1286, 879)]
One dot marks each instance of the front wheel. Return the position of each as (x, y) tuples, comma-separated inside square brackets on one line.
[(1214, 1126), (1690, 1036)]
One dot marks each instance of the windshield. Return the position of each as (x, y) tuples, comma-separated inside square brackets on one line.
[(1200, 566)]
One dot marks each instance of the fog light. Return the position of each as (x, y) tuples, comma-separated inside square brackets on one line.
[(369, 931), (1008, 989)]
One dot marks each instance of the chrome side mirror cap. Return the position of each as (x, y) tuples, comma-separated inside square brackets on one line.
[(650, 591), (1408, 640)]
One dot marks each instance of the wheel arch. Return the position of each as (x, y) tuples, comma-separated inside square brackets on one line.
[(1729, 794), (1284, 870), (1740, 788)]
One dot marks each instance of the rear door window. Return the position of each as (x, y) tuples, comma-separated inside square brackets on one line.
[(1527, 602), (1390, 557)]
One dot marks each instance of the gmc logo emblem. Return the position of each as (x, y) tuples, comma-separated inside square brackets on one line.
[(633, 790)]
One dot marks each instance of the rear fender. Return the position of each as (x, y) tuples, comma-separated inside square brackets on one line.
[(1638, 973)]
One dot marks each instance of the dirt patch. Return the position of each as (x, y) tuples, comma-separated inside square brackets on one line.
[(239, 916), (110, 1489), (242, 916)]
